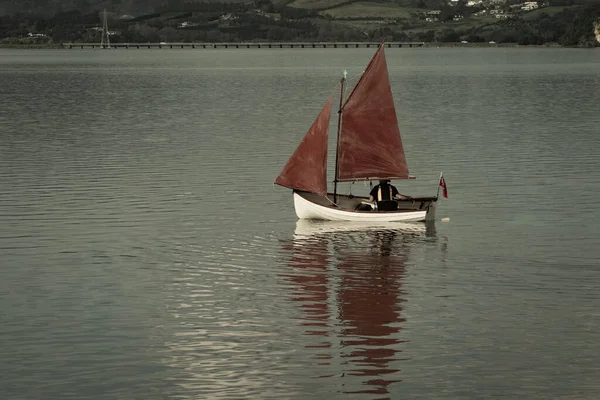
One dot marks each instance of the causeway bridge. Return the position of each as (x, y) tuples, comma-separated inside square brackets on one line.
[(240, 45)]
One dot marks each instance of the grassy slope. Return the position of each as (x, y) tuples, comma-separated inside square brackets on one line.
[(548, 10), (365, 9), (401, 15), (316, 4)]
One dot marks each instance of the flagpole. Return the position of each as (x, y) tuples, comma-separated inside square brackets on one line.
[(437, 196)]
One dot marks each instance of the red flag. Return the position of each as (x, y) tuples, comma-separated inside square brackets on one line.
[(444, 188)]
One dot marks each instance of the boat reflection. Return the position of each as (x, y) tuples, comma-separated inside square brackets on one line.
[(347, 281)]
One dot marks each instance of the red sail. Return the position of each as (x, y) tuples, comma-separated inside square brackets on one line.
[(369, 144), (306, 169)]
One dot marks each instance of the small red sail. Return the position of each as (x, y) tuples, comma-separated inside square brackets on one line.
[(306, 169), (369, 144)]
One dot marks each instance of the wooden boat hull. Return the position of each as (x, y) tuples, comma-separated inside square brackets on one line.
[(306, 228), (312, 206)]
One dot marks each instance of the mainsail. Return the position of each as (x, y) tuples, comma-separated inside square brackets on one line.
[(369, 146), (306, 169)]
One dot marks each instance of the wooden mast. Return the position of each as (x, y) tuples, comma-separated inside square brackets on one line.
[(339, 129)]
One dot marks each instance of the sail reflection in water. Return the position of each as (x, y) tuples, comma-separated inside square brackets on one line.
[(348, 286), (309, 258), (369, 301)]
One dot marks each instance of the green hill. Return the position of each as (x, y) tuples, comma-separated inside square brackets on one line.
[(560, 22)]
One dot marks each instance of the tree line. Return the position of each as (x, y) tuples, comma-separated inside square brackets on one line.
[(262, 20)]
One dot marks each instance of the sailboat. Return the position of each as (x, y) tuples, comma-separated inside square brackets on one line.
[(368, 148)]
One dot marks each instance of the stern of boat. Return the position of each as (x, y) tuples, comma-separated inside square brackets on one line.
[(430, 214)]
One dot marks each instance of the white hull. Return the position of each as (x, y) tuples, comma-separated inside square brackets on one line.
[(306, 209)]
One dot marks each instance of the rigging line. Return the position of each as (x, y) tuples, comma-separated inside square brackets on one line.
[(329, 200), (354, 78), (356, 65), (351, 79), (335, 87)]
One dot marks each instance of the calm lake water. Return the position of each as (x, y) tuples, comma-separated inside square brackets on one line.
[(146, 254)]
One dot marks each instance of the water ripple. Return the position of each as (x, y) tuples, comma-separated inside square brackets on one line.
[(144, 248)]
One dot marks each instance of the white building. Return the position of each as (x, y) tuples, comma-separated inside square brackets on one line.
[(529, 5)]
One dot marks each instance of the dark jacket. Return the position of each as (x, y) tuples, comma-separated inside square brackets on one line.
[(384, 191)]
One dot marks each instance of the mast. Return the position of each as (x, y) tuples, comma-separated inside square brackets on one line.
[(339, 129)]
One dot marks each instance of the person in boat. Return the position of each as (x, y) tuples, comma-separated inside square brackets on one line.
[(385, 195), (385, 191)]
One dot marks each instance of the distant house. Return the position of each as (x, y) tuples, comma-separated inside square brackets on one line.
[(186, 24), (228, 17), (529, 5), (109, 33), (431, 16)]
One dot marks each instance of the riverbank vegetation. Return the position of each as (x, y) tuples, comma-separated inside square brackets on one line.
[(557, 22)]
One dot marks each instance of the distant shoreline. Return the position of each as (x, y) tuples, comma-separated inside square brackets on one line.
[(244, 45)]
